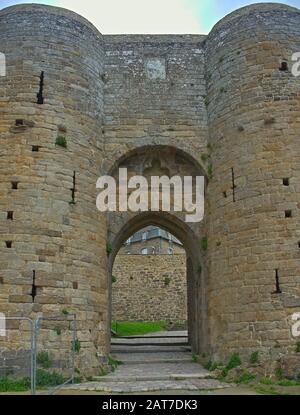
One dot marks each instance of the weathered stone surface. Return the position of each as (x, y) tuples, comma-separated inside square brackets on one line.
[(291, 366), (215, 105), (150, 288)]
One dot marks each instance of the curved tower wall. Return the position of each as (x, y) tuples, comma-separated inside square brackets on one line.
[(62, 241), (253, 115)]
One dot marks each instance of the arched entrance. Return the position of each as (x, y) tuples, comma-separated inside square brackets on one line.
[(163, 160)]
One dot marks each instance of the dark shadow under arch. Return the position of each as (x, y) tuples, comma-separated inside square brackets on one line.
[(164, 220), (143, 149)]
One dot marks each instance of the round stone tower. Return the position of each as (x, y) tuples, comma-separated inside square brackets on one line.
[(254, 228), (53, 239)]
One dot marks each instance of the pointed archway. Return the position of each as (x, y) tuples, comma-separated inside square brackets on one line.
[(121, 225)]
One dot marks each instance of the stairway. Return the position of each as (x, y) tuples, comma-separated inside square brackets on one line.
[(156, 363), (163, 347)]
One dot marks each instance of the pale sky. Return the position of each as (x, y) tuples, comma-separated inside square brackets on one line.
[(150, 16)]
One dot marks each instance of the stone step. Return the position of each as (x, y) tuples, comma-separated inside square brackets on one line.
[(175, 336), (193, 385), (152, 358), (146, 378), (150, 340), (160, 344), (155, 372), (152, 361), (149, 349)]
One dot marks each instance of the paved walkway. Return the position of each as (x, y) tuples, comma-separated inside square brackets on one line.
[(156, 363)]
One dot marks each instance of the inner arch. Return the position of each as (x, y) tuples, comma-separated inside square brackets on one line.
[(195, 267)]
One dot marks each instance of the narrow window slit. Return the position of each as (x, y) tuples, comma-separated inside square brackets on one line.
[(73, 189), (288, 213), (284, 66), (8, 244), (35, 149), (286, 181), (14, 185), (75, 285), (277, 283), (33, 288), (40, 97), (233, 184), (19, 122), (10, 215)]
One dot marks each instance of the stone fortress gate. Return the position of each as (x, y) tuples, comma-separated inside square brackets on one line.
[(75, 105)]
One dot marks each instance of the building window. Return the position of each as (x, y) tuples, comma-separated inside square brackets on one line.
[(145, 251), (170, 251), (144, 236)]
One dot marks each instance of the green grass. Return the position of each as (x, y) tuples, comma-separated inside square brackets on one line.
[(44, 380), (288, 382), (282, 382), (267, 391), (267, 381), (76, 346), (113, 363), (246, 377), (210, 171), (43, 359), (204, 157), (132, 328), (254, 358), (279, 373), (204, 243), (14, 385), (234, 361), (211, 366), (195, 358), (103, 371), (61, 141)]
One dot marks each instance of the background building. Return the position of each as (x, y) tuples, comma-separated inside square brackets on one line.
[(152, 241), (149, 279)]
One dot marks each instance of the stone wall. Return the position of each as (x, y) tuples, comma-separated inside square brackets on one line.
[(150, 288), (154, 94), (62, 240), (254, 226), (216, 105)]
